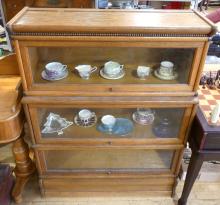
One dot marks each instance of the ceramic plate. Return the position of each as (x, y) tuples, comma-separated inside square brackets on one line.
[(173, 77), (141, 122), (122, 127), (46, 77), (91, 122), (118, 76)]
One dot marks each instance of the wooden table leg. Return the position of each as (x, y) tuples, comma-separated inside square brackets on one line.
[(192, 173), (24, 167)]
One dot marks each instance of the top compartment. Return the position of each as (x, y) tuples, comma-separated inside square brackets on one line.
[(128, 49)]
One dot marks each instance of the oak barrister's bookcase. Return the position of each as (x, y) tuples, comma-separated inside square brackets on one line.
[(83, 160)]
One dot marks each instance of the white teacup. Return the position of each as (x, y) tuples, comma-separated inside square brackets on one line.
[(112, 68), (108, 122), (85, 70), (143, 71), (166, 68), (54, 69), (85, 115)]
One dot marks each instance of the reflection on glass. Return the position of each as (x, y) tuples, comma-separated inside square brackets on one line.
[(130, 57), (105, 159), (166, 125)]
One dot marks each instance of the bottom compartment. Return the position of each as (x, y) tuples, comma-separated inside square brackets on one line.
[(106, 160), (147, 186), (107, 171)]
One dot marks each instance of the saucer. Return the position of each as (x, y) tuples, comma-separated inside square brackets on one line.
[(46, 77), (122, 127), (143, 122), (162, 77), (92, 121), (113, 77)]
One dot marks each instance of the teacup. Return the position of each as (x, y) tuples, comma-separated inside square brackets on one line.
[(112, 68), (108, 122), (143, 71), (85, 70), (166, 68), (55, 69), (145, 115), (85, 115)]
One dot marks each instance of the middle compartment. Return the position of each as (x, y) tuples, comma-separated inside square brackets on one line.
[(110, 120)]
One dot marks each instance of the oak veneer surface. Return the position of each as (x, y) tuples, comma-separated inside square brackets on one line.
[(9, 95), (109, 21), (11, 117), (9, 65)]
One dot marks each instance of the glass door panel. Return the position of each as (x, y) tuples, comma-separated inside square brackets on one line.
[(129, 57), (66, 123), (102, 160)]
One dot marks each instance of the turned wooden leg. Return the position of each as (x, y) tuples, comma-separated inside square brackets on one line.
[(192, 173), (24, 167)]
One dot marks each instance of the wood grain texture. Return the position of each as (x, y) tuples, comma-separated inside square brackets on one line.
[(10, 95), (12, 7), (9, 65), (106, 185), (11, 116), (155, 193), (148, 185), (24, 167), (126, 102), (61, 3), (109, 21), (11, 128)]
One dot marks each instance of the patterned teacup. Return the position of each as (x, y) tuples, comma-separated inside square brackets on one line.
[(55, 69), (145, 115), (166, 68), (85, 115)]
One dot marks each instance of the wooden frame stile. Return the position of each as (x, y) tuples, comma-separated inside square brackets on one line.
[(20, 63), (185, 124), (29, 122), (193, 113), (196, 64), (201, 65)]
